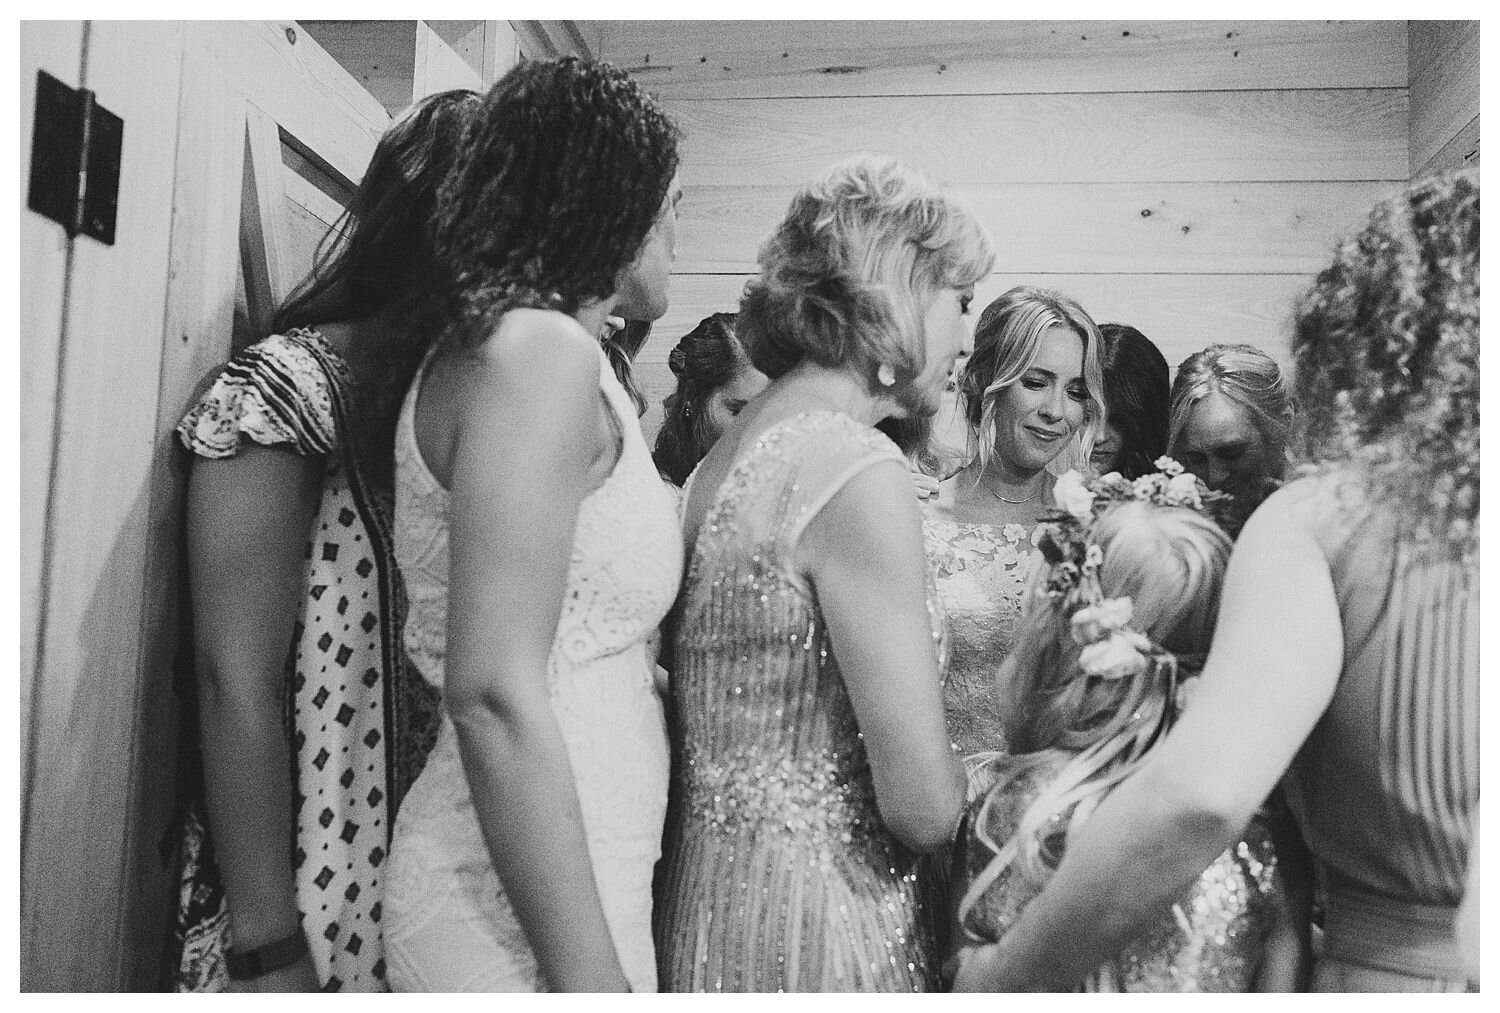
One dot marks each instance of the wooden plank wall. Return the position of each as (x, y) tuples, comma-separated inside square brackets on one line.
[(1444, 72), (1184, 177)]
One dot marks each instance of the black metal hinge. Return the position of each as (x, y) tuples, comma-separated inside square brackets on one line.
[(75, 160)]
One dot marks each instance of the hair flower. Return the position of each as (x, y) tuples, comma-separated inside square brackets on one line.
[(1182, 490), (1074, 496), (1167, 466), (1121, 654), (1095, 622)]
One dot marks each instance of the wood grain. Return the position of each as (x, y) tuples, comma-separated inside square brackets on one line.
[(1135, 228), (988, 139), (82, 884), (297, 84), (265, 238), (739, 59), (57, 48), (1444, 74), (1462, 152)]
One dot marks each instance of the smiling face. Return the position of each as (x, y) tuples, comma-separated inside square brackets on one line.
[(643, 286), (1037, 416)]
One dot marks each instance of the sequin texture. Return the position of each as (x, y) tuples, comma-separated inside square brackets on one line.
[(778, 873)]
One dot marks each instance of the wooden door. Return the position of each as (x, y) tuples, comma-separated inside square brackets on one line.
[(117, 340)]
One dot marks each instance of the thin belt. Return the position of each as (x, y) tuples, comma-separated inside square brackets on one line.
[(1376, 931)]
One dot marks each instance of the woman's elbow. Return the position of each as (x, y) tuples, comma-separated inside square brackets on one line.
[(1195, 809), (926, 823)]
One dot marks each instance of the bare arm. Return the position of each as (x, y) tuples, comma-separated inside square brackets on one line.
[(864, 555), (1271, 674), (248, 519), (526, 438)]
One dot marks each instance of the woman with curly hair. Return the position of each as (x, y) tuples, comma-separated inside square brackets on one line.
[(715, 381), (1347, 653), (813, 765), (290, 495), (541, 551), (1115, 628), (1137, 391)]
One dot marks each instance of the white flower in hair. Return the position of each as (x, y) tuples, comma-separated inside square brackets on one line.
[(1167, 466), (1095, 622), (1074, 496), (1120, 655), (1182, 490)]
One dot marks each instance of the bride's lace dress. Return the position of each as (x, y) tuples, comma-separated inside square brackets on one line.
[(449, 925)]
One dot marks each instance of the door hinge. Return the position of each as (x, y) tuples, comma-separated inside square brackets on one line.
[(75, 160)]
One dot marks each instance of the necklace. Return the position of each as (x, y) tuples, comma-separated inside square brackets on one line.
[(1014, 502)]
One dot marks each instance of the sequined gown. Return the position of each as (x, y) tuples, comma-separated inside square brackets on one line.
[(778, 873), (981, 572), (1210, 940), (449, 926)]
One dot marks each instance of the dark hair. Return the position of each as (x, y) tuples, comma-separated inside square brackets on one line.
[(564, 174), (621, 347), (1138, 396), (707, 358), (1387, 352), (376, 259)]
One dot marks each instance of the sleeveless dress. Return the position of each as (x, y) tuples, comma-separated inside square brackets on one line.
[(1211, 940), (779, 875), (449, 926), (359, 720), (981, 572), (1385, 787)]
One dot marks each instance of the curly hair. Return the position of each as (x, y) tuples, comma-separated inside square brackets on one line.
[(1170, 561), (1386, 344), (1137, 392), (1242, 373), (563, 175), (1006, 341), (376, 259), (848, 274), (707, 358)]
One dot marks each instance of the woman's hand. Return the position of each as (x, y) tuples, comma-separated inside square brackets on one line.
[(925, 484), (296, 977)]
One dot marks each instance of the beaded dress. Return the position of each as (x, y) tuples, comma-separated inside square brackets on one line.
[(779, 875), (981, 571), (449, 925), (1211, 940)]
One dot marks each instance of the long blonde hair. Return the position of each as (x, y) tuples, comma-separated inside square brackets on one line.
[(1169, 561)]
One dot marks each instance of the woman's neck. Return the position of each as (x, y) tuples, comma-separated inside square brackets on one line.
[(1005, 480), (809, 387)]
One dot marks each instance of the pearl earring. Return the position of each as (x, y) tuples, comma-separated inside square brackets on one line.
[(886, 374)]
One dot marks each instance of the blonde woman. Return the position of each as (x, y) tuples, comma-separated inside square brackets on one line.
[(1030, 394), (1115, 624), (812, 765)]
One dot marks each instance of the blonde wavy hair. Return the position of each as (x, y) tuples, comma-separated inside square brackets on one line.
[(1170, 562), (1007, 339)]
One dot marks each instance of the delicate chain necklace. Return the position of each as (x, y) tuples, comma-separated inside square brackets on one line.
[(1014, 502)]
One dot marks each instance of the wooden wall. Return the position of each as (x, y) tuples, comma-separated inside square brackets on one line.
[(1184, 177), (1443, 68)]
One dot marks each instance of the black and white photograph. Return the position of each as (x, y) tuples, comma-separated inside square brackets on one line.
[(749, 506)]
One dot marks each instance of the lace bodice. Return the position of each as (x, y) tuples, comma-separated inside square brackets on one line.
[(981, 572), (450, 924)]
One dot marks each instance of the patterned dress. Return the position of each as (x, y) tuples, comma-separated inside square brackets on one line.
[(360, 724), (1211, 940), (981, 572), (449, 925), (779, 875)]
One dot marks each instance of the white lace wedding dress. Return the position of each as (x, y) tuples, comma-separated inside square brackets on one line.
[(448, 924)]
